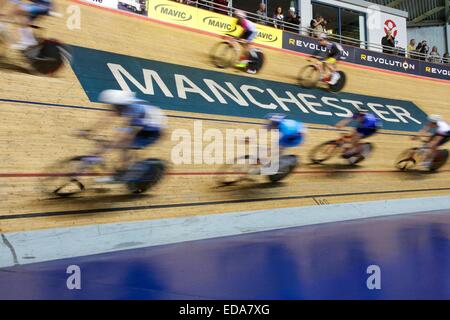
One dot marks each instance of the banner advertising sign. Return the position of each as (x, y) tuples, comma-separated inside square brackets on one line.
[(113, 4), (387, 61), (189, 89), (369, 58), (309, 46)]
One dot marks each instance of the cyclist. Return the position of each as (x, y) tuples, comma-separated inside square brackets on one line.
[(144, 125), (291, 132), (367, 125), (248, 34), (329, 61), (25, 14), (440, 135)]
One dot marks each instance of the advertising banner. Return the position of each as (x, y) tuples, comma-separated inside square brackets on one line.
[(188, 89), (113, 4), (309, 46), (387, 61), (173, 12), (433, 70)]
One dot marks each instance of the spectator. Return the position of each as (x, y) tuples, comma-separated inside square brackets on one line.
[(434, 56), (220, 6), (388, 42), (278, 16), (423, 49), (446, 58), (411, 48), (262, 14), (292, 19), (317, 26)]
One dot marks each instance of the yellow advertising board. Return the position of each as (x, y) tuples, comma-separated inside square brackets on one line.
[(209, 21), (173, 12)]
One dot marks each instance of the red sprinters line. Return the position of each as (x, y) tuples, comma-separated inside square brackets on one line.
[(202, 173)]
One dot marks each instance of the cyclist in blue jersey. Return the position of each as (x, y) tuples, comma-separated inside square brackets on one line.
[(25, 13), (144, 125), (367, 124), (291, 132)]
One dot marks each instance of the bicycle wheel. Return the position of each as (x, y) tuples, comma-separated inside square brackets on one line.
[(256, 63), (323, 152), (406, 160), (340, 84), (309, 76), (62, 179), (223, 55), (231, 174), (287, 164), (143, 175), (440, 160), (47, 57), (366, 151)]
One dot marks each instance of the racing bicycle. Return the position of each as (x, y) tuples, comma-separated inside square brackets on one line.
[(64, 179), (311, 76), (225, 54)]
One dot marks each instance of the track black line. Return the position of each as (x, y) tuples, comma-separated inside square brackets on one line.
[(199, 204), (182, 117)]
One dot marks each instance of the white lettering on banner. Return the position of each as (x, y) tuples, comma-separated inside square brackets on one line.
[(316, 47), (245, 89), (311, 105), (434, 70), (149, 75), (193, 88), (245, 96), (234, 94), (394, 63)]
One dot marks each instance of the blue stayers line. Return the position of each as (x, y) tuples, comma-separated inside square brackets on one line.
[(45, 104)]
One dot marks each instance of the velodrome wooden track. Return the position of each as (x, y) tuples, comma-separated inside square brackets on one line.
[(36, 135)]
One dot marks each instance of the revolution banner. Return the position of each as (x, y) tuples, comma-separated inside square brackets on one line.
[(181, 88), (369, 58)]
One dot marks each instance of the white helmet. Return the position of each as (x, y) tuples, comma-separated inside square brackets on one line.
[(434, 118), (240, 14), (323, 36), (117, 97)]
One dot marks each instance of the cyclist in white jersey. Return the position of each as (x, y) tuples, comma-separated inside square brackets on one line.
[(143, 125), (440, 130), (248, 34)]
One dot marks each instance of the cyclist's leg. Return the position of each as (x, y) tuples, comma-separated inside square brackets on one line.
[(436, 141), (25, 14)]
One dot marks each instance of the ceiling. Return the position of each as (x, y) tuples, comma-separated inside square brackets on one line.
[(421, 12)]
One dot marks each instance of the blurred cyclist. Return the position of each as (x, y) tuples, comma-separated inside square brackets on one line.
[(328, 63), (248, 34), (25, 13), (440, 135), (291, 132), (142, 126), (367, 125)]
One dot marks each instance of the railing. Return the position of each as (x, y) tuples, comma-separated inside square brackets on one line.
[(289, 27)]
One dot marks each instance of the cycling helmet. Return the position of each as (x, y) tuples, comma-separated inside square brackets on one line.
[(275, 119), (434, 118), (117, 97), (323, 36), (240, 14)]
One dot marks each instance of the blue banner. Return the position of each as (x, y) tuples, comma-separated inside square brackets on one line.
[(369, 58), (181, 88)]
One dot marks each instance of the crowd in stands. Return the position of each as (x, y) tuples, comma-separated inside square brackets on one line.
[(421, 51), (290, 21)]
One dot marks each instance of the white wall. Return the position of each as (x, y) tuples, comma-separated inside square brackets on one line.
[(435, 36)]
